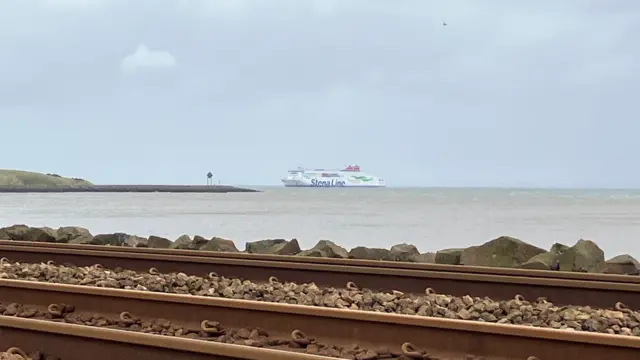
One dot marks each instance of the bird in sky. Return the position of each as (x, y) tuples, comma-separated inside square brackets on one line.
[(444, 24)]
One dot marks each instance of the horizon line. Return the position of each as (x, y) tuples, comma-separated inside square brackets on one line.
[(454, 187)]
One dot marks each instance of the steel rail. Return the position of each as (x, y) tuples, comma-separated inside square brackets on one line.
[(442, 337), (499, 287), (77, 342), (330, 261)]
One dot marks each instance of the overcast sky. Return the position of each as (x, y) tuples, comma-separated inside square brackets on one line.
[(509, 93)]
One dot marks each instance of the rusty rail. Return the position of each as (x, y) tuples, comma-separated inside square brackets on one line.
[(348, 262), (76, 342), (500, 287), (450, 339)]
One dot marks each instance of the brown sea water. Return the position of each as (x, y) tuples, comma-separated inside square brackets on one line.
[(429, 218)]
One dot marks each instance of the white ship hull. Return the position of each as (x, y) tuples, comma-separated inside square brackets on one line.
[(347, 178)]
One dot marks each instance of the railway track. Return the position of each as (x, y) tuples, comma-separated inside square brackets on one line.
[(74, 342), (341, 329), (597, 290)]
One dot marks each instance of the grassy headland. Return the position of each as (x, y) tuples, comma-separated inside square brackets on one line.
[(19, 178)]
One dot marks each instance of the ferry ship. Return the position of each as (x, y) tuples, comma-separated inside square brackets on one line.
[(351, 176)]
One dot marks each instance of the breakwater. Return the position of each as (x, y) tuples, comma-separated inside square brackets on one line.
[(125, 189)]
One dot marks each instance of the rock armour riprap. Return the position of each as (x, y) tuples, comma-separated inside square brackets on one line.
[(365, 253), (584, 256), (519, 311), (622, 264), (273, 246), (545, 260), (448, 256), (326, 249), (505, 251)]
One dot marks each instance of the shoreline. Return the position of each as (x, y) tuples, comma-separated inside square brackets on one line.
[(125, 189)]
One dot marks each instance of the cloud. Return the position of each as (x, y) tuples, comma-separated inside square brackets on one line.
[(511, 92), (145, 58)]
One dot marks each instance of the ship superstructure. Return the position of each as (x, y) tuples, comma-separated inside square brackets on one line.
[(350, 176)]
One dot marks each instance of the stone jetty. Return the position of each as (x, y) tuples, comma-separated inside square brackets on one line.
[(125, 189), (18, 181)]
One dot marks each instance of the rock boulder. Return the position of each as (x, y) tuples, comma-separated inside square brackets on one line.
[(327, 249), (183, 243), (291, 247), (404, 252), (504, 251), (365, 253), (218, 244), (622, 264), (426, 258), (42, 234), (158, 242), (541, 261), (133, 240), (545, 260), (115, 239), (13, 232), (558, 248), (100, 239), (273, 246), (198, 242), (585, 255), (65, 234), (26, 233), (84, 239), (449, 256)]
